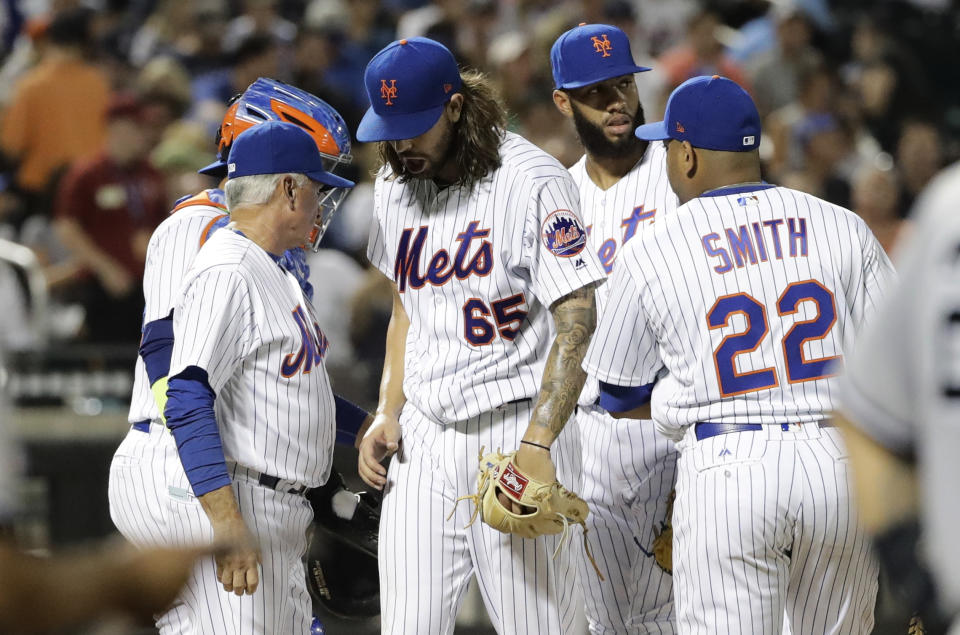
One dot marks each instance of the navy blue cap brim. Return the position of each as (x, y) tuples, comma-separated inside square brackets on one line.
[(609, 73), (375, 127), (329, 179), (656, 131), (217, 168)]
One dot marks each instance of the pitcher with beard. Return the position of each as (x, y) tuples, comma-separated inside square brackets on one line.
[(628, 469)]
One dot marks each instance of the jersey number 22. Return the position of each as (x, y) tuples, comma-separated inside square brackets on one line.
[(798, 367)]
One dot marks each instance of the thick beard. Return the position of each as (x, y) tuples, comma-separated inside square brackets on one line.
[(597, 144)]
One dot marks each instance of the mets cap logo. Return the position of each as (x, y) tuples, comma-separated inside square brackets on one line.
[(602, 45), (563, 234), (388, 92)]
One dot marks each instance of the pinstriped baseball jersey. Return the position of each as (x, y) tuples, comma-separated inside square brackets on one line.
[(170, 252), (615, 215), (754, 294), (246, 322), (477, 270)]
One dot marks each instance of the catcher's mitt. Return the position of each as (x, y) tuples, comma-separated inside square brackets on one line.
[(552, 507), (663, 539)]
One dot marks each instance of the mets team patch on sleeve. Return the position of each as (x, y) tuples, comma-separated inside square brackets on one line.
[(563, 234)]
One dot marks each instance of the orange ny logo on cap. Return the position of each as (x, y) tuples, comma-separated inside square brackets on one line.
[(602, 45), (388, 91)]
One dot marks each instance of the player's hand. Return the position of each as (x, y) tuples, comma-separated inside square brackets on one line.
[(237, 557), (382, 440), (535, 462)]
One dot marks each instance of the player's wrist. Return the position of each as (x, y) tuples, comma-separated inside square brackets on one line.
[(536, 445)]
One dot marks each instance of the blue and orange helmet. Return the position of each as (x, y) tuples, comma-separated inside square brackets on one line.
[(272, 100)]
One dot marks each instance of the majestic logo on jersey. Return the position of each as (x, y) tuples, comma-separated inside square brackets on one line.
[(513, 480), (388, 92), (602, 45), (563, 234), (313, 346), (440, 269)]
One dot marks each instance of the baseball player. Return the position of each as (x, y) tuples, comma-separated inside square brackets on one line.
[(729, 321), (249, 402), (628, 469), (901, 392), (480, 234), (138, 489)]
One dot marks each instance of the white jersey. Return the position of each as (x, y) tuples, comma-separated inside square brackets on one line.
[(903, 382), (170, 252), (246, 322), (754, 294), (615, 215), (477, 270)]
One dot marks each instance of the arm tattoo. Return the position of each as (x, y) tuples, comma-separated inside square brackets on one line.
[(575, 316)]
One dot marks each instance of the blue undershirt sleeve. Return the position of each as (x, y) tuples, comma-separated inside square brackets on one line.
[(191, 418), (349, 419), (615, 398), (156, 347)]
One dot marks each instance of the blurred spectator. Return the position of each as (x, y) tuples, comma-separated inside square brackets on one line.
[(816, 86), (876, 199), (701, 53), (775, 74), (191, 32), (826, 147), (259, 17), (919, 157), (27, 50), (662, 23), (163, 86), (56, 115), (106, 209), (254, 57), (184, 149)]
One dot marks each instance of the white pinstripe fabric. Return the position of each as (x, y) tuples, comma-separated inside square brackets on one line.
[(755, 522), (445, 375), (281, 604), (525, 589), (628, 469), (765, 529), (236, 321)]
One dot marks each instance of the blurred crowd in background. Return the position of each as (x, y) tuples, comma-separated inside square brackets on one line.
[(108, 108)]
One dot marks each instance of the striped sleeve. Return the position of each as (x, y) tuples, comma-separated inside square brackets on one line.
[(561, 260), (170, 253), (623, 350), (376, 244), (213, 326)]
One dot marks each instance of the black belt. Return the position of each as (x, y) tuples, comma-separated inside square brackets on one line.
[(706, 429), (273, 482)]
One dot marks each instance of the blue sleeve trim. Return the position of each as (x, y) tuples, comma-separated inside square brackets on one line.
[(156, 347), (349, 419), (615, 398), (191, 418)]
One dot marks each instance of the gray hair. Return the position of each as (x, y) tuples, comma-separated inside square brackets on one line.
[(256, 189)]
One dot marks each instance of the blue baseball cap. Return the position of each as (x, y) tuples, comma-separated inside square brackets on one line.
[(408, 83), (591, 53), (278, 147), (713, 113)]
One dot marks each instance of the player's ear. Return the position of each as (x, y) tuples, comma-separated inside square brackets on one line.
[(688, 159), (288, 186), (562, 101), (455, 107)]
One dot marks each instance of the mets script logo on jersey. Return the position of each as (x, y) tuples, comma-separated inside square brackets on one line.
[(513, 481), (602, 45), (388, 92), (440, 269), (313, 346), (563, 234)]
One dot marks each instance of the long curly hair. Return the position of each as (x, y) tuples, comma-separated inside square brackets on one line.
[(476, 136)]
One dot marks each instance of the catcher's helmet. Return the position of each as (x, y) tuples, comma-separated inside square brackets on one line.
[(272, 100), (342, 573)]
